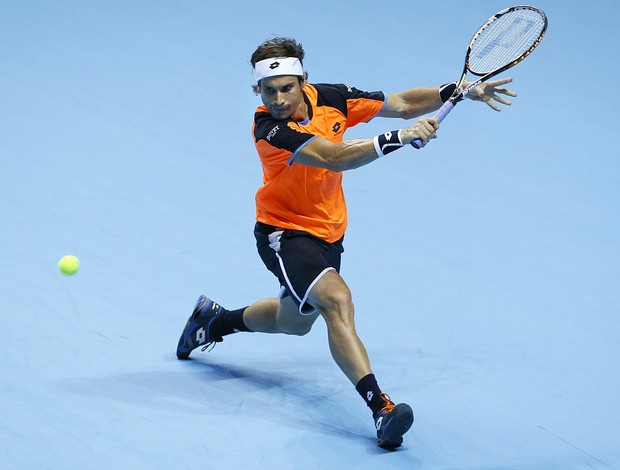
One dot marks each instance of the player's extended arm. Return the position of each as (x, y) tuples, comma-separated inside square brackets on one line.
[(412, 103), (423, 100), (350, 154)]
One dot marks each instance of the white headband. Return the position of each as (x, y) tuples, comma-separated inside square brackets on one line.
[(278, 66)]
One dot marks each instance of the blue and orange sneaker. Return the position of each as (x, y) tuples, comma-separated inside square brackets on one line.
[(198, 330), (391, 422)]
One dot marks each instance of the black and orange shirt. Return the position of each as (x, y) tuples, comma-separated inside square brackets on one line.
[(301, 197)]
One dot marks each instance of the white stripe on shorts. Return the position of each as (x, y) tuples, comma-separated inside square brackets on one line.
[(274, 243)]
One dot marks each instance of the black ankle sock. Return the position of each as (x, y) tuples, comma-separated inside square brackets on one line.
[(231, 321), (369, 390)]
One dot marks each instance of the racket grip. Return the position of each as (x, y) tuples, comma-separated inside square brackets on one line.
[(439, 115)]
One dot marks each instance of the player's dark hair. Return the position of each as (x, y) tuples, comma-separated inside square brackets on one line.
[(278, 47)]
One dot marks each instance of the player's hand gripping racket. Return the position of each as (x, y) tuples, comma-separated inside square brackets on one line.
[(502, 42)]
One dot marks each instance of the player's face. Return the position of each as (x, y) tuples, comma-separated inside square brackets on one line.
[(282, 96)]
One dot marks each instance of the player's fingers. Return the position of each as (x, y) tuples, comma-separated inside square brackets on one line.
[(422, 129), (493, 106), (502, 100), (500, 81), (505, 91), (432, 122)]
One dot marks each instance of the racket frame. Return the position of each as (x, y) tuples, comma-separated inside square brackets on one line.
[(460, 93)]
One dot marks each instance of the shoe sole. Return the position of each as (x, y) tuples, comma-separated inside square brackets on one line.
[(400, 422), (182, 354), (200, 304)]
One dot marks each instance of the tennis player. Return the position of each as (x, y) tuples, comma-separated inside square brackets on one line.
[(301, 214)]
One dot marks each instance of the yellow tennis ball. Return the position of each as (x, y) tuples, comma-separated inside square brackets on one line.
[(69, 265)]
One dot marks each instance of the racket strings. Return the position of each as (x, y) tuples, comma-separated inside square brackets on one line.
[(506, 39)]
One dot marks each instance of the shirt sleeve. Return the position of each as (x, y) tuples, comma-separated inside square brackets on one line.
[(283, 135), (357, 105)]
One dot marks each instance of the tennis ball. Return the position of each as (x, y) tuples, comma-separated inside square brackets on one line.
[(69, 265)]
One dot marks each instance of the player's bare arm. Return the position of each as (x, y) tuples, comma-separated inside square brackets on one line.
[(412, 103), (418, 101), (354, 153)]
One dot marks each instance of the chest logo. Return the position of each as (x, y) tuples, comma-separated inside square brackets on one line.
[(272, 132)]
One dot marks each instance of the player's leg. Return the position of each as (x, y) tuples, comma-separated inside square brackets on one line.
[(210, 322), (261, 316), (332, 297), (278, 316)]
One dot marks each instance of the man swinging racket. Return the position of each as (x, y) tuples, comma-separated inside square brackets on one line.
[(301, 215)]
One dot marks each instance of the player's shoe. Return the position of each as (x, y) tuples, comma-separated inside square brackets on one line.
[(198, 330), (392, 421)]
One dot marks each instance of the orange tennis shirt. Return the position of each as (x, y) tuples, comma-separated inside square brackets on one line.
[(301, 197)]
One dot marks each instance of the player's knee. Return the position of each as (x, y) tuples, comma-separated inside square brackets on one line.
[(296, 324), (298, 330), (340, 300), (338, 307)]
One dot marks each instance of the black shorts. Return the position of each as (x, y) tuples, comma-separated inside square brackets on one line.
[(298, 259)]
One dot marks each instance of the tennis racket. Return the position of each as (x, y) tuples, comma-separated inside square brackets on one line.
[(502, 42)]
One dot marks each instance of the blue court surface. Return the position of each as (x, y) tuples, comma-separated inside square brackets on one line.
[(485, 268)]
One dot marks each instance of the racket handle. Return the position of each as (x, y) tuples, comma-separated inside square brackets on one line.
[(441, 113)]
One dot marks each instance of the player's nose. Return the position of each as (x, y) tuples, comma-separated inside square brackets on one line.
[(278, 98)]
